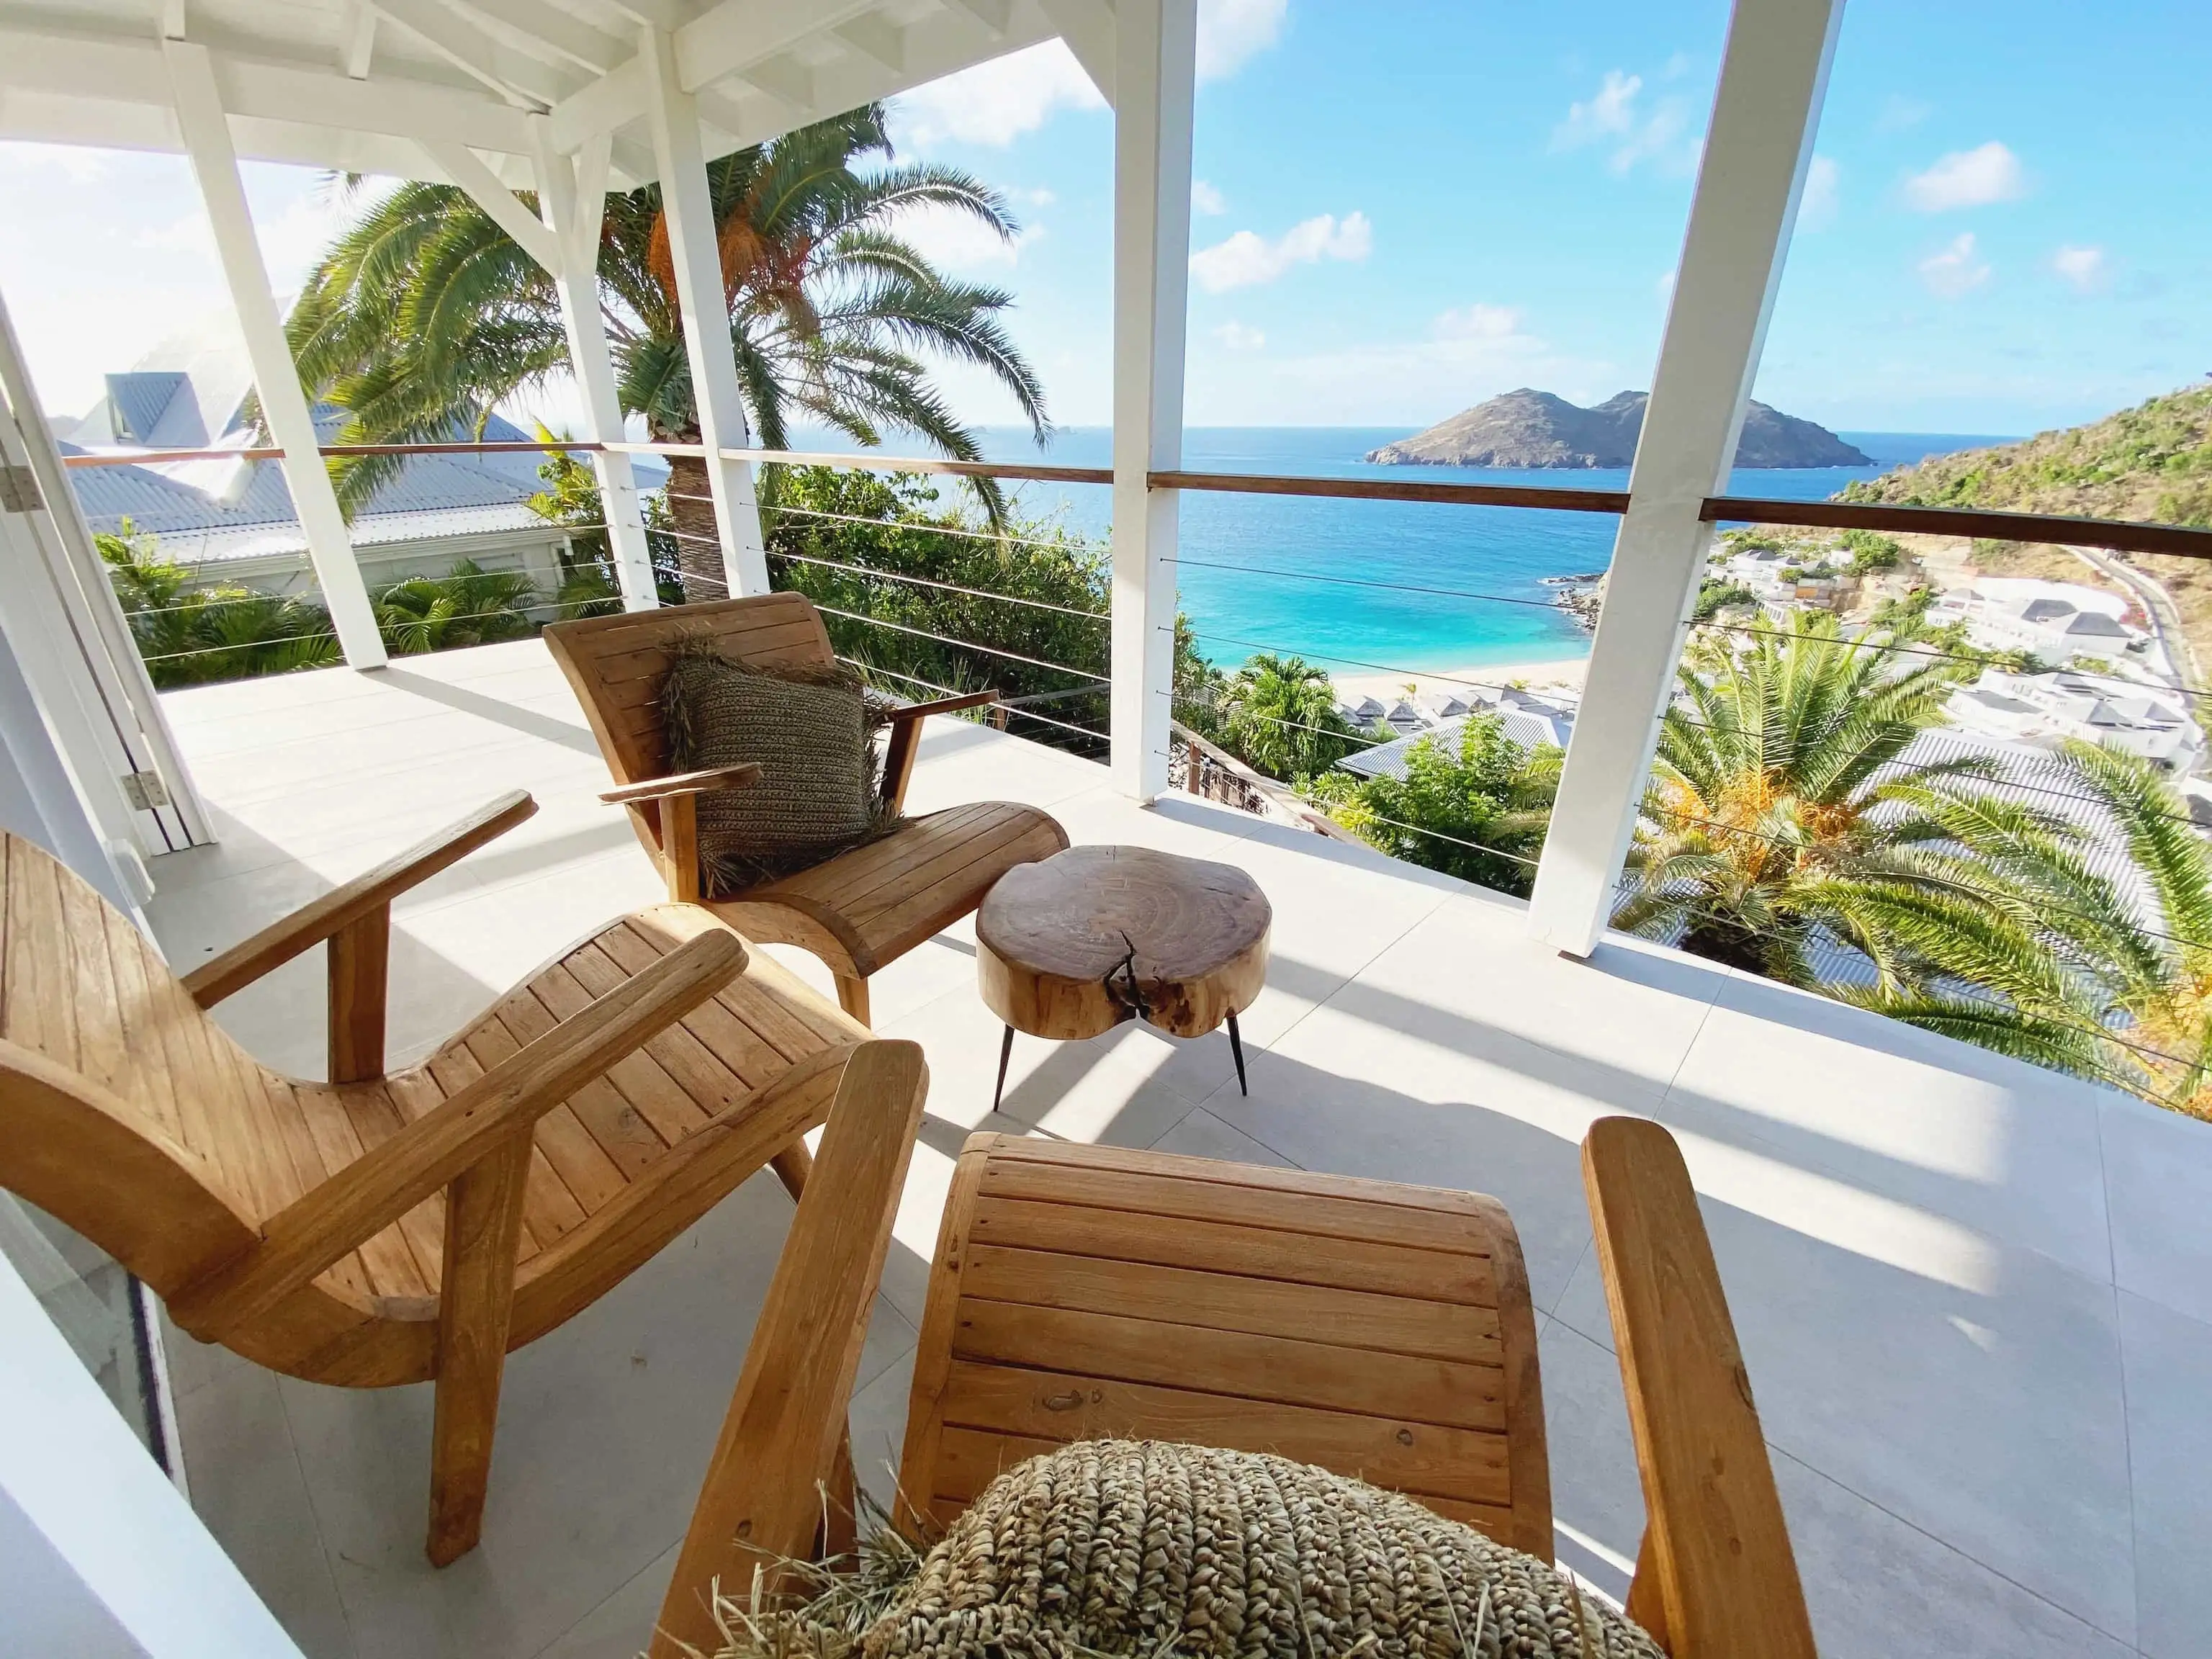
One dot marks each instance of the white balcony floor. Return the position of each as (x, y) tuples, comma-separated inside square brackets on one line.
[(1975, 1299)]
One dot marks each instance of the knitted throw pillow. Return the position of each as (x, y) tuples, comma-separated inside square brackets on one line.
[(811, 730), (1128, 1549)]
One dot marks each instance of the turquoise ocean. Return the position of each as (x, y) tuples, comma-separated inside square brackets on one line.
[(1231, 543)]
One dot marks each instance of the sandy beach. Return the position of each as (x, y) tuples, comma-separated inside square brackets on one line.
[(1565, 671)]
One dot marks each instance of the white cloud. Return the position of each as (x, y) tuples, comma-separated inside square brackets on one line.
[(1957, 270), (997, 102), (1666, 284), (1612, 117), (2085, 268), (1205, 199), (1968, 178), (960, 241), (1238, 336), (72, 162), (1816, 208), (1480, 321), (1039, 197), (1247, 259), (1230, 32)]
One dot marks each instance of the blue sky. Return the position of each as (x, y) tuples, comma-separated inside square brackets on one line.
[(1406, 208)]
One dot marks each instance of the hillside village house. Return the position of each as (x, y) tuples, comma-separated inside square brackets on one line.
[(232, 520), (1973, 1297), (2056, 621)]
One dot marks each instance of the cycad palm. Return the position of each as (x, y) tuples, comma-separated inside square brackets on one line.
[(424, 315), (1781, 805)]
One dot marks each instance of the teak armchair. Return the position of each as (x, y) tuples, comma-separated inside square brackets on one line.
[(378, 1228), (1378, 1330), (857, 911)]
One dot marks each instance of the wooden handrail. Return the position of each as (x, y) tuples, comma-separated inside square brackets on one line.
[(2182, 541)]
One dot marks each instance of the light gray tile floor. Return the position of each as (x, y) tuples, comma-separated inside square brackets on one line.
[(1972, 1295)]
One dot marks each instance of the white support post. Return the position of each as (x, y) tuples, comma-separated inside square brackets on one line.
[(1155, 61), (206, 132), (573, 197), (694, 247), (1773, 77)]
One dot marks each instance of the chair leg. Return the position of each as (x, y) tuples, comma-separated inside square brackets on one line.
[(853, 996), (476, 1311)]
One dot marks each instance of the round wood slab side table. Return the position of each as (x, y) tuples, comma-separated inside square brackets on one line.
[(1073, 945)]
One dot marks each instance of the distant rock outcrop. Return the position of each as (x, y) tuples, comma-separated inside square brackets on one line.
[(1530, 428)]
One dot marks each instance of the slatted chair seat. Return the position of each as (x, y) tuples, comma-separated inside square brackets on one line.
[(858, 911), (382, 1229)]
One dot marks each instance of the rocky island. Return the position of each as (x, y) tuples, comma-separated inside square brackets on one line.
[(1530, 428)]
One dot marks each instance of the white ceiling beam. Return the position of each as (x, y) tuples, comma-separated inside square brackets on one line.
[(1087, 26), (470, 50), (357, 32), (462, 165), (104, 72), (740, 35), (875, 36), (666, 15), (790, 83), (997, 16), (929, 53), (173, 19), (550, 29)]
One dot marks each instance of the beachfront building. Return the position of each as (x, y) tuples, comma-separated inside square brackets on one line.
[(1531, 718), (2043, 710), (2056, 622), (230, 519), (1972, 1292)]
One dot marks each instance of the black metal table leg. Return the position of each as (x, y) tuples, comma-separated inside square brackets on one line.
[(1006, 1054), (1236, 1048)]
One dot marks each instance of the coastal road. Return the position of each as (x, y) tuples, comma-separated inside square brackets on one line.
[(2158, 605)]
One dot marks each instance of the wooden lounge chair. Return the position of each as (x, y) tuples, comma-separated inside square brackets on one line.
[(857, 911), (1378, 1330), (377, 1229)]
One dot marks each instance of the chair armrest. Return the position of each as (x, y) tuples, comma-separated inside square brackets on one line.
[(316, 920), (352, 1206), (764, 1495), (914, 711), (705, 782)]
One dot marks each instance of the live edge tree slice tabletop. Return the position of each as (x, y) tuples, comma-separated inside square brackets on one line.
[(1073, 945)]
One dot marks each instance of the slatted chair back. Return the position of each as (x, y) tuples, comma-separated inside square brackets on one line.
[(113, 1080), (616, 665), (1717, 1578), (1377, 1330)]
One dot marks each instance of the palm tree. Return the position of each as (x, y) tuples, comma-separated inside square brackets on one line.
[(2042, 955), (1781, 808), (192, 636), (1282, 718), (424, 315), (467, 605)]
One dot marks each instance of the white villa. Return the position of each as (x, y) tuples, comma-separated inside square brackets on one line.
[(2042, 709), (2056, 620)]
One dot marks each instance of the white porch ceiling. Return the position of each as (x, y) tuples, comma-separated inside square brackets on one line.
[(360, 84)]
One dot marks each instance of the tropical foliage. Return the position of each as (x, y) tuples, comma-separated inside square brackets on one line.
[(191, 635), (1783, 806), (424, 315), (1476, 809), (1279, 714), (467, 605)]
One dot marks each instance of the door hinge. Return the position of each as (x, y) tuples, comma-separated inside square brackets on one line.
[(145, 791), (19, 489)]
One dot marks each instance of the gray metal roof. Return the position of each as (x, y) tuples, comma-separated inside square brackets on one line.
[(1387, 760)]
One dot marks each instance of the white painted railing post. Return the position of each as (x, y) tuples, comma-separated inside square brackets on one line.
[(1773, 77), (1155, 59), (673, 115), (573, 197), (206, 133)]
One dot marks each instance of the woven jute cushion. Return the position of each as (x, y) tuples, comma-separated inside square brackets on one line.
[(810, 730), (1140, 1550)]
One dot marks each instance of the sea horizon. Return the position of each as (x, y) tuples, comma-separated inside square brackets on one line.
[(1414, 585)]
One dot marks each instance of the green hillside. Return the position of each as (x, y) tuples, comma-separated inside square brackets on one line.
[(2151, 462)]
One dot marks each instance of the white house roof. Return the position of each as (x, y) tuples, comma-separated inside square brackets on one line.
[(360, 84)]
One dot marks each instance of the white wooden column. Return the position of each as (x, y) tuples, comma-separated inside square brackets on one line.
[(573, 197), (1155, 58), (673, 115), (1760, 141), (206, 133)]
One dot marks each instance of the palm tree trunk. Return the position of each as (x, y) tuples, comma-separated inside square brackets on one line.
[(691, 512)]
